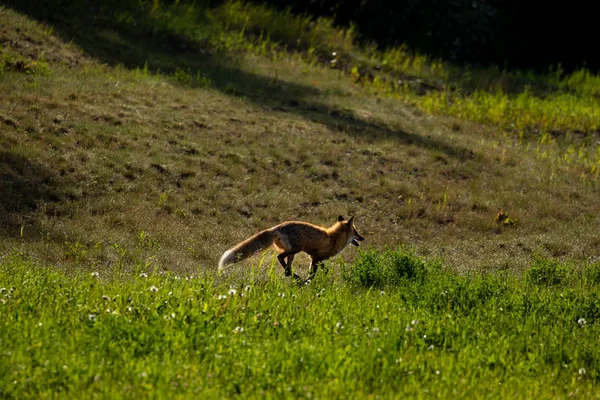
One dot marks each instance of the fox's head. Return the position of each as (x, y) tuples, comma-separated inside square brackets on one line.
[(353, 235)]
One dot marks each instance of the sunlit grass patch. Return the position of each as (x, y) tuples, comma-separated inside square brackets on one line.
[(152, 333)]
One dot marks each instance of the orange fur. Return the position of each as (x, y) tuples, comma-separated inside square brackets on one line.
[(292, 237)]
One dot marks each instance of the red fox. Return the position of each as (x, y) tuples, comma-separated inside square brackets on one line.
[(292, 237)]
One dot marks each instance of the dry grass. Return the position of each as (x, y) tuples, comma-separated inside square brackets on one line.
[(117, 167)]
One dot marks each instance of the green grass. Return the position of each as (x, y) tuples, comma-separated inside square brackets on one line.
[(438, 335), (140, 141)]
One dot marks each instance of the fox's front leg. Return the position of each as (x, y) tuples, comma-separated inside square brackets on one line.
[(314, 265)]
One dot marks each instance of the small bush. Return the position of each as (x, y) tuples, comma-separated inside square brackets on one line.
[(384, 268), (547, 272), (592, 273)]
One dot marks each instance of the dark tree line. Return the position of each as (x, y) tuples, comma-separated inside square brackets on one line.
[(507, 33), (525, 34)]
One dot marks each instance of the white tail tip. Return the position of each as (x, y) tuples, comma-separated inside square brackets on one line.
[(225, 260)]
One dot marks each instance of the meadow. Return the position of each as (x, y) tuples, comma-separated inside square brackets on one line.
[(139, 140), (390, 325)]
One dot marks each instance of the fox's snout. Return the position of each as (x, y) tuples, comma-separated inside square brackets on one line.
[(357, 238)]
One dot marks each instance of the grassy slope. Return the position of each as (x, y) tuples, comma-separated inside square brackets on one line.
[(135, 167), (120, 169)]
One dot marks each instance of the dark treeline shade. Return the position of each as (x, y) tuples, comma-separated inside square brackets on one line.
[(511, 34)]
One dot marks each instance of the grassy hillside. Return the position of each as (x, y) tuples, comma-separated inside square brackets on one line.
[(138, 141), (127, 147)]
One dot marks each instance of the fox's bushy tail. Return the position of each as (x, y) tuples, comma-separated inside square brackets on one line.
[(248, 247)]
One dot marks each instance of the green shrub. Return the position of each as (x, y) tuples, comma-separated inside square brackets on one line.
[(547, 272), (385, 268), (592, 273)]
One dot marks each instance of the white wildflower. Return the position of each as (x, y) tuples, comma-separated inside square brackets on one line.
[(582, 371), (232, 292), (582, 322), (143, 275), (95, 274), (222, 297), (105, 297), (238, 329), (154, 289), (92, 317)]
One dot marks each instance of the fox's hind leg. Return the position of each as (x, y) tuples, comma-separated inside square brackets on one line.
[(287, 266)]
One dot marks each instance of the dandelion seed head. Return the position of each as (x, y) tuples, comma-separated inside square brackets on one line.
[(154, 289), (232, 292), (143, 275), (582, 322)]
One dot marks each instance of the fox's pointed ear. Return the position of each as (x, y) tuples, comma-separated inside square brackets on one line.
[(351, 220), (340, 219)]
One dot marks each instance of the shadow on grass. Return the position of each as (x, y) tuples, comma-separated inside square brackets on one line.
[(165, 51), (24, 185)]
